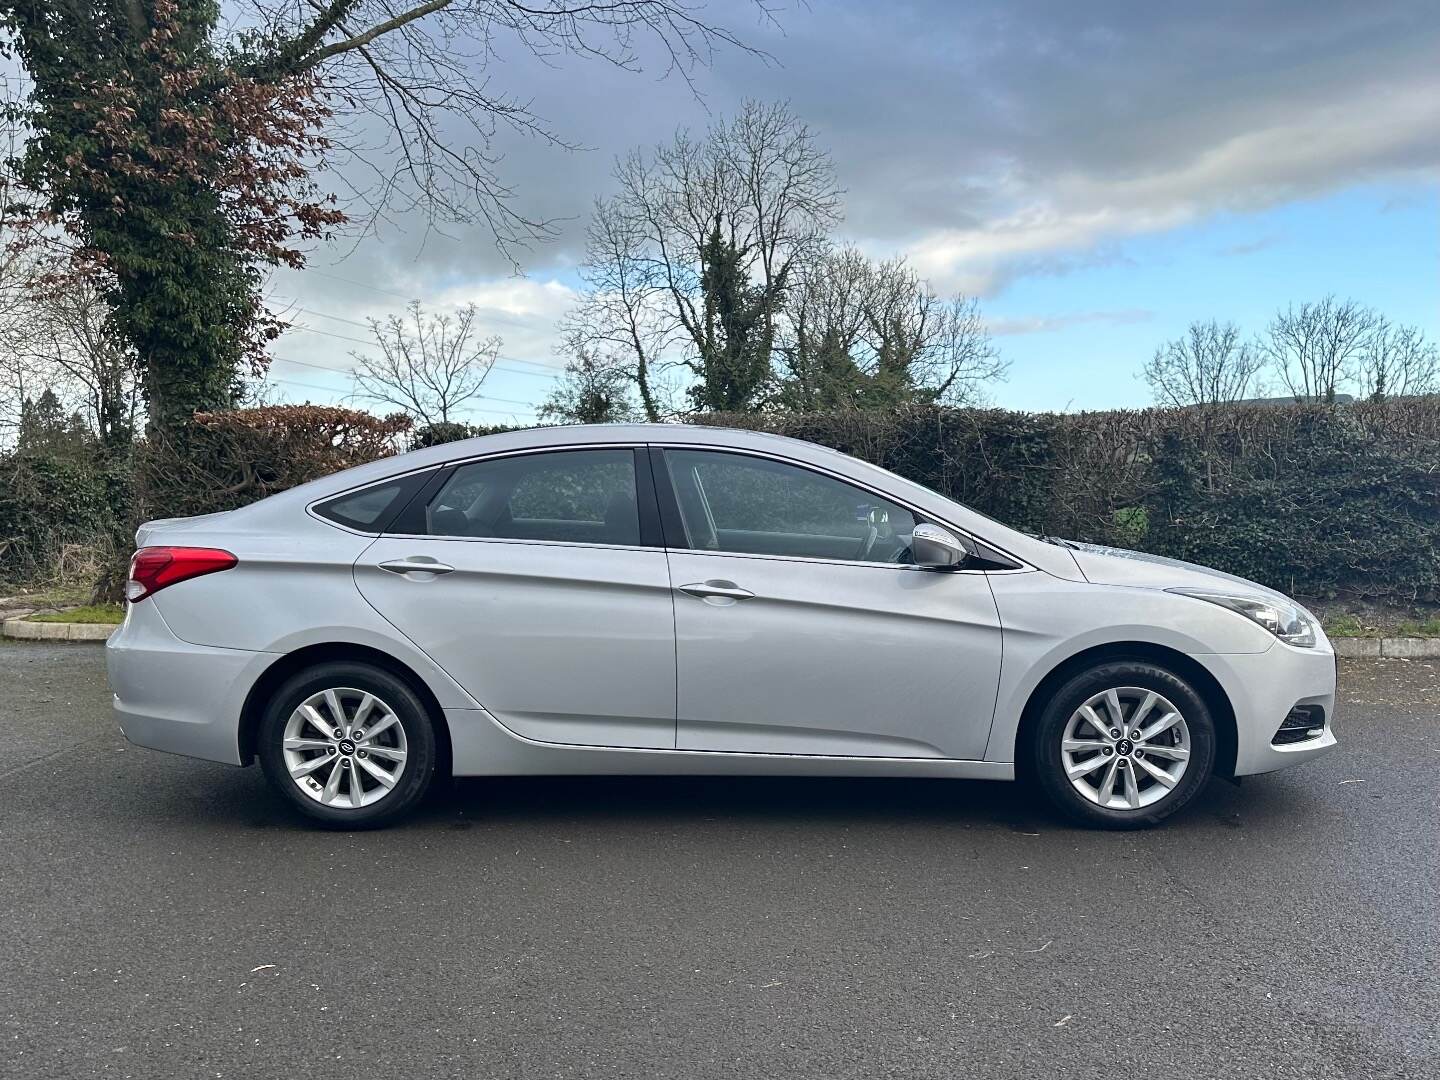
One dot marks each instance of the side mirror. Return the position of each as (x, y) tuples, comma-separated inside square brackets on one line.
[(937, 548)]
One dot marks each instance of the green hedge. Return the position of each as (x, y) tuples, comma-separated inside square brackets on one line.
[(50, 503), (1316, 500)]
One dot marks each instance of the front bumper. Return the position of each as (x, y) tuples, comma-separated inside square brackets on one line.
[(1263, 688), (173, 696)]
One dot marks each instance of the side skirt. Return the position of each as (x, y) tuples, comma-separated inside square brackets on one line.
[(483, 747)]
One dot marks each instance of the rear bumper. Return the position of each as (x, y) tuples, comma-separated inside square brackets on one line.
[(1263, 688), (173, 696)]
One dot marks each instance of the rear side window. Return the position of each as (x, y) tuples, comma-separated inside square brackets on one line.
[(369, 509), (576, 496)]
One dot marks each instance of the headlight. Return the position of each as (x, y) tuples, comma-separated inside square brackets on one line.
[(1290, 623)]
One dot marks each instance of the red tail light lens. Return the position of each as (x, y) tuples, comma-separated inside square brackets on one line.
[(153, 568)]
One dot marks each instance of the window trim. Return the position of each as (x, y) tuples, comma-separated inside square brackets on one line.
[(411, 520), (674, 526)]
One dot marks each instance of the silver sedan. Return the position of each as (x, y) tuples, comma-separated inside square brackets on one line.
[(684, 600)]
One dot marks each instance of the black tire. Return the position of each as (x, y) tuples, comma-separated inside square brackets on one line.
[(398, 696), (1046, 767)]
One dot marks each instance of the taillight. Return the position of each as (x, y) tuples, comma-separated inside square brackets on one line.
[(153, 568)]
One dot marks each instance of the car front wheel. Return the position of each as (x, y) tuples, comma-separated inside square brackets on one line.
[(1123, 745), (348, 745)]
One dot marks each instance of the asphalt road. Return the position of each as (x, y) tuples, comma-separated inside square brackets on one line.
[(168, 918)]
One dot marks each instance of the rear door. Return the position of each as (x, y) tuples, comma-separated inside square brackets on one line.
[(802, 629), (539, 583)]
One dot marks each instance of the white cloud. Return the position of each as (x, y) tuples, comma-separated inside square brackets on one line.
[(1380, 131), (1049, 324)]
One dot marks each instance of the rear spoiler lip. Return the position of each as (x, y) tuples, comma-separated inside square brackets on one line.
[(144, 535)]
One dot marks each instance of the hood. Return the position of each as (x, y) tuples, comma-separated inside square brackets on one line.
[(1116, 566)]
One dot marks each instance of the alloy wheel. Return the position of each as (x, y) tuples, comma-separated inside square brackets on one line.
[(1125, 748), (344, 748)]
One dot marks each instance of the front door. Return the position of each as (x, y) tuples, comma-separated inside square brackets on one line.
[(801, 628), (525, 578)]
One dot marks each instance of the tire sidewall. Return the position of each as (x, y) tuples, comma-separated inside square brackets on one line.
[(1048, 767), (408, 708)]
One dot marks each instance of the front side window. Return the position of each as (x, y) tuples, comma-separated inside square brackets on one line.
[(754, 506), (575, 496)]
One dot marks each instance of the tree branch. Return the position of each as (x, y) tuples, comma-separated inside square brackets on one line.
[(362, 39)]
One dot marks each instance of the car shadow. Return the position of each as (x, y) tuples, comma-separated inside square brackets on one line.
[(650, 802), (770, 800)]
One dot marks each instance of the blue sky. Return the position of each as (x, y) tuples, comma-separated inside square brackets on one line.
[(1098, 175), (1379, 245)]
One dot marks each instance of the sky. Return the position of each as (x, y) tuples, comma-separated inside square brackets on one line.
[(1098, 175)]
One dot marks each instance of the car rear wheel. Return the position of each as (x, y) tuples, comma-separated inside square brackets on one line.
[(1123, 745), (349, 745)]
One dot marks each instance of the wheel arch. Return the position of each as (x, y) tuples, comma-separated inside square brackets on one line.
[(274, 676), (1187, 667)]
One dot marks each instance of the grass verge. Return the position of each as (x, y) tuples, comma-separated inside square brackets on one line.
[(111, 614), (1343, 626)]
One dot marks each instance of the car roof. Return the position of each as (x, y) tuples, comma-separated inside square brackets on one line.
[(576, 435)]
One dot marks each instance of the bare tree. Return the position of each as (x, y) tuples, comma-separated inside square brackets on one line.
[(18, 378), (1316, 349), (623, 322), (699, 247), (1398, 361), (428, 365), (57, 340), (1210, 365), (74, 338), (861, 333), (416, 108)]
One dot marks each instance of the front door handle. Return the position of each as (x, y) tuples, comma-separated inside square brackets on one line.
[(417, 564), (715, 589)]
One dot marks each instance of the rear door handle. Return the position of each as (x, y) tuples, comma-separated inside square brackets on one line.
[(416, 564), (725, 590)]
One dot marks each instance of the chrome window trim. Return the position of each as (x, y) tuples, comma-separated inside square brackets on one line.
[(1023, 568)]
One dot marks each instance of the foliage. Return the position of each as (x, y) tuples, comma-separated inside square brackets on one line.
[(734, 362), (51, 503), (591, 391), (176, 177), (1315, 500), (176, 148), (1319, 501), (46, 429), (437, 434), (712, 270), (235, 457), (688, 264), (863, 334)]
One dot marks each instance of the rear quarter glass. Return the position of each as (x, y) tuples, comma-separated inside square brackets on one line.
[(371, 509)]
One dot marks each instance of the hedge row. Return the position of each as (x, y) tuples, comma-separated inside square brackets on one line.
[(64, 497), (1316, 500)]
